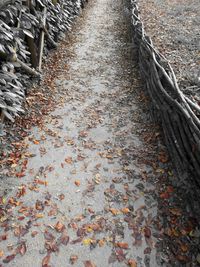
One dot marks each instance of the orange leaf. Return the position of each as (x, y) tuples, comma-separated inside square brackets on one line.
[(101, 242), (122, 245), (125, 210), (20, 174), (39, 215), (59, 227), (1, 253), (132, 263), (36, 142), (184, 248), (68, 160), (38, 181), (77, 183), (89, 264), (114, 211)]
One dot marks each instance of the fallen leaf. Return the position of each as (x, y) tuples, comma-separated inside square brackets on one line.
[(101, 242), (21, 191), (59, 227), (36, 142), (64, 239), (183, 258), (147, 232), (39, 205), (163, 157), (114, 211), (48, 236), (184, 248), (39, 215), (61, 196), (125, 210), (3, 237), (68, 160), (83, 134), (21, 248), (122, 245), (41, 182), (21, 218), (20, 174), (9, 258), (175, 211), (45, 261), (89, 264), (80, 157), (77, 183), (87, 241), (120, 255), (1, 253), (164, 195), (73, 259), (34, 233), (132, 263)]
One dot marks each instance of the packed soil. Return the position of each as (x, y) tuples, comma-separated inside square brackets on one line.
[(85, 176), (173, 26)]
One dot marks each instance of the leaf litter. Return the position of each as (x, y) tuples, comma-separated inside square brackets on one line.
[(123, 176)]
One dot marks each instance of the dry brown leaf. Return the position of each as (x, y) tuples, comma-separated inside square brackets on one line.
[(89, 264), (45, 261), (34, 233), (59, 227), (68, 160), (114, 211), (77, 183), (64, 239), (125, 210), (61, 196), (122, 245), (9, 258), (73, 259), (184, 248), (132, 263), (147, 232), (101, 242)]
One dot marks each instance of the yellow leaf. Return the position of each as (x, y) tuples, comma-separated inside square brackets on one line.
[(39, 215), (3, 200), (3, 219), (87, 241)]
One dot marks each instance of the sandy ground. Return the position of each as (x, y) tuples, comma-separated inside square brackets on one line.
[(90, 174)]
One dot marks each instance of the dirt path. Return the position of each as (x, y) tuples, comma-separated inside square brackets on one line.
[(88, 191)]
